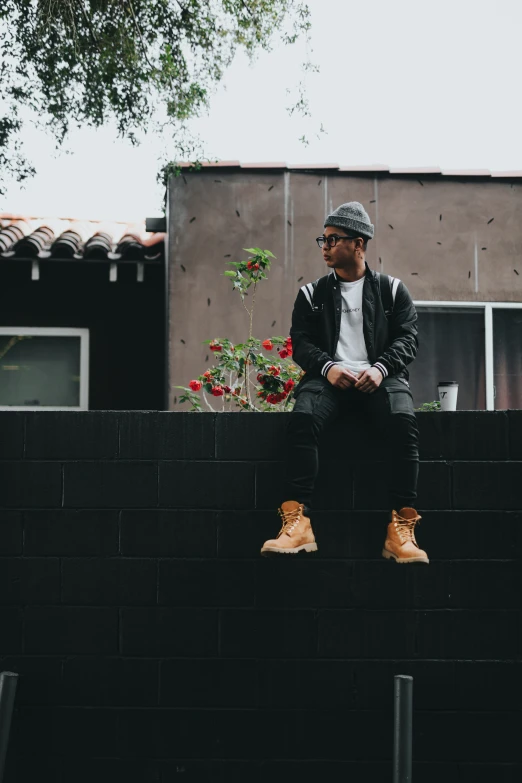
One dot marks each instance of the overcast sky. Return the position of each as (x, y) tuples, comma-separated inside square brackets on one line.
[(408, 83)]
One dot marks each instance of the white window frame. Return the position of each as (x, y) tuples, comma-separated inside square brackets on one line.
[(44, 331), (488, 308)]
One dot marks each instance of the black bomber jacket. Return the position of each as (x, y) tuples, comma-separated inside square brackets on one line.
[(390, 338)]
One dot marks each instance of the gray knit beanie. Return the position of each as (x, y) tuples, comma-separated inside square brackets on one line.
[(352, 217)]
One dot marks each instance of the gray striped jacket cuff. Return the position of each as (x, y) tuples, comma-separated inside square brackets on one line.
[(382, 368), (326, 368)]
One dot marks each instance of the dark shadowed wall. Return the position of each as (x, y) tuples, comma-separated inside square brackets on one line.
[(155, 645), (126, 322)]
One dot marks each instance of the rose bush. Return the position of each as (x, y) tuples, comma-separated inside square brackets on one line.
[(243, 377)]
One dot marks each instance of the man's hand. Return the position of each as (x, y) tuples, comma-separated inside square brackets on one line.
[(369, 380), (341, 377)]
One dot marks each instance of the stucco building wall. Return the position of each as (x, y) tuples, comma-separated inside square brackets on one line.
[(447, 238)]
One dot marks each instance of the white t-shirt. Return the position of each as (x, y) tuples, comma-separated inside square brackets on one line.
[(351, 349)]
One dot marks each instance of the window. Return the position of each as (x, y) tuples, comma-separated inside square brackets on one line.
[(477, 344), (451, 348), (507, 358), (44, 369)]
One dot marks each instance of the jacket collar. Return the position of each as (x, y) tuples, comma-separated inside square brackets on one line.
[(368, 273)]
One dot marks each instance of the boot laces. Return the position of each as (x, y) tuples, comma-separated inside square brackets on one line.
[(290, 520), (406, 528)]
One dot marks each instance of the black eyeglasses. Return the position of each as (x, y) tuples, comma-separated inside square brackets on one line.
[(330, 240)]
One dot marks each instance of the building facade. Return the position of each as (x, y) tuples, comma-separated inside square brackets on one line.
[(82, 315), (454, 239)]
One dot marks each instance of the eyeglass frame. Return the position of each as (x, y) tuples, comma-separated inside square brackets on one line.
[(326, 240)]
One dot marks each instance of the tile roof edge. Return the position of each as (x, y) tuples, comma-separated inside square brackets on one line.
[(314, 166), (226, 164), (269, 165), (416, 170), (358, 169), (365, 169), (466, 173), (16, 216), (155, 239), (513, 174)]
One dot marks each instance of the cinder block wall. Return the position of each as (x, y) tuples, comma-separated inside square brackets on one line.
[(154, 645)]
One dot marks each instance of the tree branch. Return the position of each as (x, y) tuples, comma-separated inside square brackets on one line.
[(89, 25), (143, 45)]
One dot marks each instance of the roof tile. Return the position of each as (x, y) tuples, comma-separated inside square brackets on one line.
[(24, 236)]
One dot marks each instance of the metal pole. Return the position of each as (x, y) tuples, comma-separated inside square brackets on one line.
[(8, 683), (402, 728)]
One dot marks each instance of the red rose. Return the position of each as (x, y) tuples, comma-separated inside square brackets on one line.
[(267, 345), (288, 385), (274, 370), (227, 389), (217, 391), (215, 347), (195, 385), (252, 264), (283, 353)]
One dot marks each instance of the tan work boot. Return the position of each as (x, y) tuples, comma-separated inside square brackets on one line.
[(296, 534), (400, 544)]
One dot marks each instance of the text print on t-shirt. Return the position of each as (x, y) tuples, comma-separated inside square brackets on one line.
[(353, 310)]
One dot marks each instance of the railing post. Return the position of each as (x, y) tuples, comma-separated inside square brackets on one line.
[(402, 728), (8, 683)]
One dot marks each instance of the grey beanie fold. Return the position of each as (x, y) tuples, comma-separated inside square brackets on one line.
[(351, 216)]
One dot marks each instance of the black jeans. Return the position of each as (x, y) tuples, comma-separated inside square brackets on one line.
[(390, 410)]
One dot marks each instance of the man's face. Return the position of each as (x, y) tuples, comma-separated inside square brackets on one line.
[(343, 254)]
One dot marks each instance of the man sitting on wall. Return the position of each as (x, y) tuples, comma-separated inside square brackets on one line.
[(354, 331)]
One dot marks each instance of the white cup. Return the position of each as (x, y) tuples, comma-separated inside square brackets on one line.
[(448, 391)]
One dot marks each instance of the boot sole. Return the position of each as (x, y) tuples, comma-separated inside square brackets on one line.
[(293, 551), (390, 556)]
